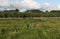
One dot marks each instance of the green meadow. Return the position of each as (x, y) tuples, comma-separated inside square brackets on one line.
[(32, 28)]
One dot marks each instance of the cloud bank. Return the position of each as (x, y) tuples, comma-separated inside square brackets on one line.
[(26, 4)]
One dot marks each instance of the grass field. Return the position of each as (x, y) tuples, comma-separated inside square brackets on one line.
[(42, 28)]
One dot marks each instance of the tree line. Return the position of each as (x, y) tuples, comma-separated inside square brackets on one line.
[(29, 13)]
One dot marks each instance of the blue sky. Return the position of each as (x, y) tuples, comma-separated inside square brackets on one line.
[(54, 2), (30, 4)]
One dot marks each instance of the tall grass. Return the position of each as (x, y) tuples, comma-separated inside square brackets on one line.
[(46, 28)]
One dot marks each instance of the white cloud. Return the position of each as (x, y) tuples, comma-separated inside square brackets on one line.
[(27, 4), (30, 4), (4, 3), (47, 6), (58, 7)]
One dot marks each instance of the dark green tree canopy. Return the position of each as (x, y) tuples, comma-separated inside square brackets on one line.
[(29, 13)]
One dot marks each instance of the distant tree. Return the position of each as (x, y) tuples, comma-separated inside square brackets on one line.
[(17, 10)]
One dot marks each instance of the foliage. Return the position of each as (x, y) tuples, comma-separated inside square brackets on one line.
[(29, 13)]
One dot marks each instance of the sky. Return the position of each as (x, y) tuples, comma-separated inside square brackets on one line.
[(23, 5)]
